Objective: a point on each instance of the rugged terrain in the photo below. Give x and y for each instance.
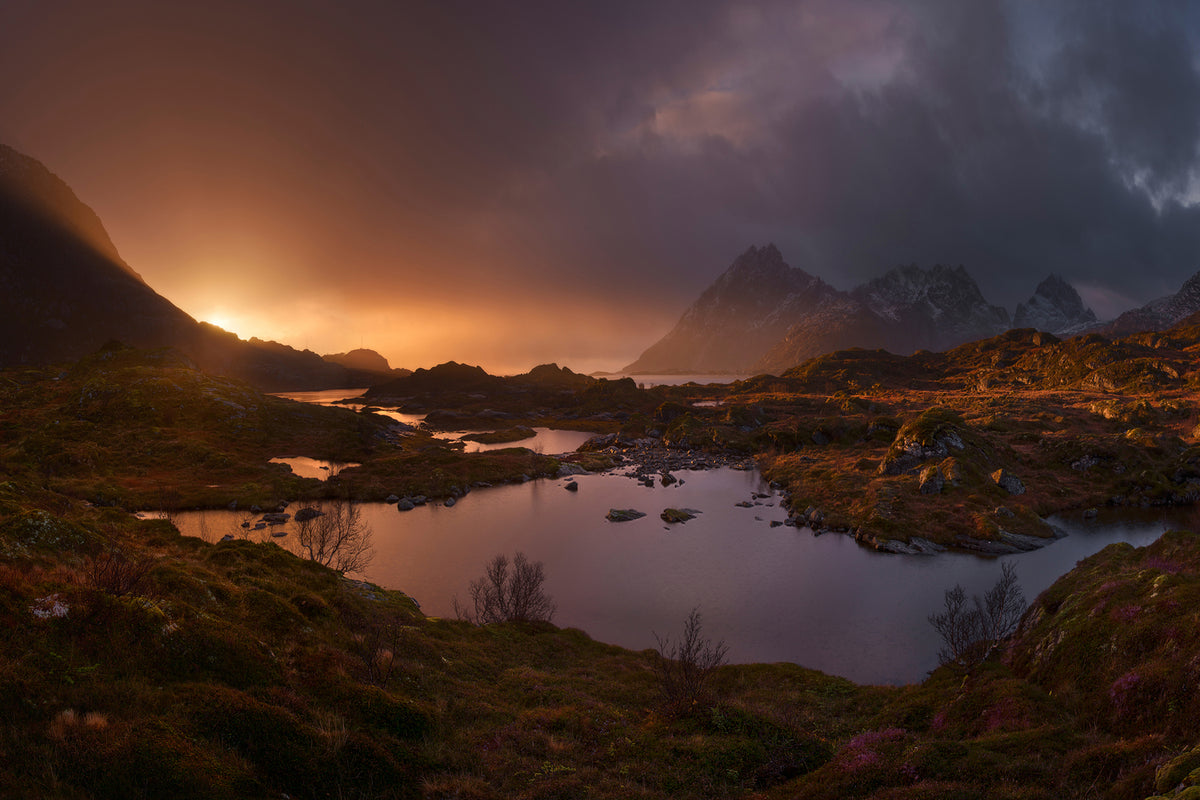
(142, 664)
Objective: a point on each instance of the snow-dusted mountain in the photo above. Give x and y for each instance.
(907, 309)
(1054, 308)
(745, 311)
(1159, 314)
(762, 315)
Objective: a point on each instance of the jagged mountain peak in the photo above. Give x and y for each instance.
(1055, 307)
(742, 313)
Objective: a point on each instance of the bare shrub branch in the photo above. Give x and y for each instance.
(686, 667)
(504, 595)
(114, 571)
(971, 633)
(339, 538)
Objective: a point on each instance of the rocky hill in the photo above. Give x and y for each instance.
(762, 315)
(65, 292)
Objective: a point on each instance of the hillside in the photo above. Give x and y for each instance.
(142, 664)
(65, 291)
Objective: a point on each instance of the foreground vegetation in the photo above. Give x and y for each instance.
(141, 664)
(240, 670)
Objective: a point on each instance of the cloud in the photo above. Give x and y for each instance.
(601, 163)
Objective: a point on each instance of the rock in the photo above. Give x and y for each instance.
(1091, 513)
(232, 505)
(450, 501)
(1008, 482)
(276, 518)
(567, 469)
(667, 479)
(391, 498)
(278, 534)
(258, 526)
(305, 514)
(776, 523)
(1004, 511)
(227, 537)
(419, 499)
(931, 480)
(571, 486)
(405, 504)
(623, 514)
(255, 510)
(744, 504)
(678, 514)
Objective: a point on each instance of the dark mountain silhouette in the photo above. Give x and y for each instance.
(367, 360)
(65, 292)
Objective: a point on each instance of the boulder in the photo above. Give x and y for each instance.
(623, 514)
(450, 501)
(571, 486)
(673, 515)
(931, 480)
(276, 518)
(405, 504)
(391, 498)
(1008, 482)
(305, 514)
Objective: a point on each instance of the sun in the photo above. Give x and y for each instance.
(223, 319)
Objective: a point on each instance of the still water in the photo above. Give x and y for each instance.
(771, 593)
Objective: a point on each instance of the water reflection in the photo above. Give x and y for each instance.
(772, 593)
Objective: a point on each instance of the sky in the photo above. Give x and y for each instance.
(513, 183)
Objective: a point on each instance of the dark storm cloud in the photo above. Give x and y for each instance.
(602, 162)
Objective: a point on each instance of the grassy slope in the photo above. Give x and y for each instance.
(238, 670)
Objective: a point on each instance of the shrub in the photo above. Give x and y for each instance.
(337, 538)
(502, 595)
(971, 632)
(685, 668)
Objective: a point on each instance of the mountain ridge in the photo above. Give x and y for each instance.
(907, 309)
(65, 291)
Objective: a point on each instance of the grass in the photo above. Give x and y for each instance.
(237, 670)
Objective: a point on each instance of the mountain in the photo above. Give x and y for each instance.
(1054, 308)
(65, 292)
(745, 311)
(905, 310)
(1159, 314)
(367, 360)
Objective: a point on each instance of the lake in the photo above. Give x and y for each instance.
(771, 593)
